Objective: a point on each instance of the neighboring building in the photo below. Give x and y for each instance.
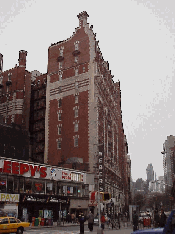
(150, 172)
(169, 162)
(14, 141)
(73, 112)
(15, 88)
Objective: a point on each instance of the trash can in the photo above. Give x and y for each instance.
(42, 222)
(50, 222)
(36, 223)
(46, 222)
(33, 221)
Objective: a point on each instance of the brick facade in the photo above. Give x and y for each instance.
(74, 111)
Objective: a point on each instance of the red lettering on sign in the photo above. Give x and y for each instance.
(33, 170)
(43, 172)
(7, 166)
(15, 168)
(23, 168)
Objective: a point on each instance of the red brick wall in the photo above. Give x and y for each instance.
(68, 102)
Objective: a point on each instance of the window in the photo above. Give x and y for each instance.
(1, 78)
(60, 75)
(84, 69)
(60, 102)
(76, 85)
(76, 98)
(59, 116)
(39, 186)
(76, 127)
(59, 144)
(59, 130)
(3, 184)
(60, 65)
(76, 71)
(76, 142)
(76, 113)
(76, 45)
(61, 51)
(76, 59)
(12, 220)
(4, 221)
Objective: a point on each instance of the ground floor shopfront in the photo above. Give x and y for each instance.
(41, 191)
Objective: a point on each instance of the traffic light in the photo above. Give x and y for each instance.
(105, 196)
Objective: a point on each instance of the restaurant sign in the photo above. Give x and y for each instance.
(6, 197)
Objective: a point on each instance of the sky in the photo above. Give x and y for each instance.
(136, 37)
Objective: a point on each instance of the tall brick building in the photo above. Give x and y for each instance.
(73, 112)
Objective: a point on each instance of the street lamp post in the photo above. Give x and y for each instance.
(99, 210)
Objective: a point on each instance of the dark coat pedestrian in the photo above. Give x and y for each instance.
(162, 220)
(82, 219)
(90, 221)
(135, 221)
(156, 219)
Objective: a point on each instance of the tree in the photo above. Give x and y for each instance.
(139, 200)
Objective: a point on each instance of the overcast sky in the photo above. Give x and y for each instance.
(136, 37)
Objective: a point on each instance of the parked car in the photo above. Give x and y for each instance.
(12, 225)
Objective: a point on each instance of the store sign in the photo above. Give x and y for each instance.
(9, 197)
(19, 168)
(100, 170)
(39, 171)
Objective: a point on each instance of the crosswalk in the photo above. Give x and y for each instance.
(53, 232)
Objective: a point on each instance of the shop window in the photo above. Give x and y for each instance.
(15, 185)
(28, 185)
(50, 188)
(39, 186)
(21, 185)
(59, 189)
(3, 184)
(10, 184)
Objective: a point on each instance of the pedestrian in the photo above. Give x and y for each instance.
(90, 221)
(162, 220)
(72, 217)
(102, 221)
(118, 218)
(156, 219)
(82, 219)
(135, 221)
(128, 216)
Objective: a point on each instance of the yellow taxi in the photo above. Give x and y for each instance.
(11, 224)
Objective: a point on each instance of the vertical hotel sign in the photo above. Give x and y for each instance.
(100, 170)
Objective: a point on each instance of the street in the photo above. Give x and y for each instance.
(74, 230)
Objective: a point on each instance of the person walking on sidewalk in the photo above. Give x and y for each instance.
(162, 218)
(90, 221)
(156, 219)
(82, 219)
(103, 220)
(135, 221)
